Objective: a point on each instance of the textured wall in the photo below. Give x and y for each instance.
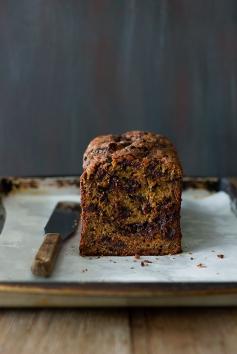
(70, 70)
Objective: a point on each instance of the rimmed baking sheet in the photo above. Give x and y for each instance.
(209, 228)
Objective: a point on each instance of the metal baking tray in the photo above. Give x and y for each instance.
(204, 274)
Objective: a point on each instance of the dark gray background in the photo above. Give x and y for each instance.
(70, 70)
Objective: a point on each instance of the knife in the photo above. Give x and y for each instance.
(2, 216)
(62, 224)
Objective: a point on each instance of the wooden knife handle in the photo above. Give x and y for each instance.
(46, 256)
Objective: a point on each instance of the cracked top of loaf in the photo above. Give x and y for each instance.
(131, 149)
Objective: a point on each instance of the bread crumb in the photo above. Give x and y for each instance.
(147, 261)
(132, 268)
(143, 264)
(189, 252)
(137, 256)
(201, 265)
(191, 258)
(220, 256)
(84, 270)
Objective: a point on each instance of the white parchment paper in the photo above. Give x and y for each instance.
(208, 225)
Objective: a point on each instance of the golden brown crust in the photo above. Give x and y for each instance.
(131, 193)
(132, 145)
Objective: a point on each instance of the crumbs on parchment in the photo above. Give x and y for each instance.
(147, 261)
(220, 256)
(137, 256)
(201, 265)
(191, 258)
(84, 270)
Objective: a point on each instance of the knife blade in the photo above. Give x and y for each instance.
(62, 224)
(2, 215)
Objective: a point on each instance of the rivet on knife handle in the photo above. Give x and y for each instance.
(46, 256)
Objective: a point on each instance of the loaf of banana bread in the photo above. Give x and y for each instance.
(130, 196)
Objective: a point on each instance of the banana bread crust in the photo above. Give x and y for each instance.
(130, 196)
